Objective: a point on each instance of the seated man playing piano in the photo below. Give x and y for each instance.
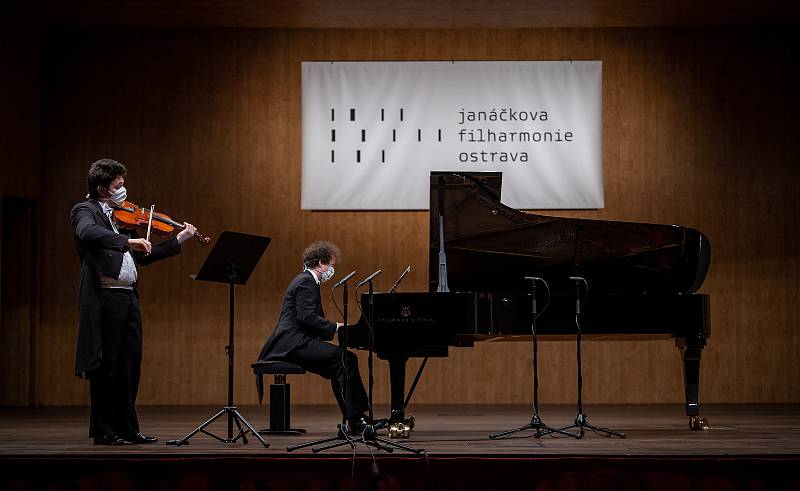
(302, 331)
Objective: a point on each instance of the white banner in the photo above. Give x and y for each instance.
(373, 131)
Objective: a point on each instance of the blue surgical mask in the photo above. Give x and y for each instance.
(325, 276)
(119, 195)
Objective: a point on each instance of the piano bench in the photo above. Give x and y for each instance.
(279, 395)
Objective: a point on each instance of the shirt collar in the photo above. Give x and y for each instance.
(314, 274)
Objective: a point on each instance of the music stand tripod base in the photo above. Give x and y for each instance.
(234, 414)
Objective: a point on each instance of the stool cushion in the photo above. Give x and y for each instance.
(276, 367)
(272, 368)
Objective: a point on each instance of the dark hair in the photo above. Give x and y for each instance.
(320, 251)
(101, 173)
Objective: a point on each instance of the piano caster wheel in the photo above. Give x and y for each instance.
(696, 423)
(399, 430)
(410, 422)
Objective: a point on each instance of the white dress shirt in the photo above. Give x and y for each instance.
(314, 274)
(128, 273)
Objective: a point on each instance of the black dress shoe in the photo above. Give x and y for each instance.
(109, 439)
(139, 438)
(357, 425)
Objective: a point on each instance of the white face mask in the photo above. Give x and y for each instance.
(119, 195)
(325, 276)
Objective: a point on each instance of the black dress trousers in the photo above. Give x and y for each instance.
(340, 367)
(114, 385)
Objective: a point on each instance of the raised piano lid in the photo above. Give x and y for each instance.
(491, 247)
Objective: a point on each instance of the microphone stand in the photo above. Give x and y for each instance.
(536, 422)
(370, 434)
(343, 432)
(581, 421)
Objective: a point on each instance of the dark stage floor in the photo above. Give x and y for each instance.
(747, 447)
(662, 430)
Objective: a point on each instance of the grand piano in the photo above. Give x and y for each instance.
(642, 282)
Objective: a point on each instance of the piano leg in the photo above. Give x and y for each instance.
(397, 381)
(691, 379)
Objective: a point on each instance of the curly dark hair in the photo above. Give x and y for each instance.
(101, 173)
(320, 252)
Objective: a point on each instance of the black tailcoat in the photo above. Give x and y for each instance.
(301, 319)
(101, 250)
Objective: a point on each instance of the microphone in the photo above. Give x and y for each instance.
(342, 281)
(394, 287)
(369, 278)
(576, 279)
(534, 279)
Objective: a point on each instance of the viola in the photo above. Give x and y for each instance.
(131, 216)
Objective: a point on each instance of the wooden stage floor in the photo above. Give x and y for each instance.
(660, 430)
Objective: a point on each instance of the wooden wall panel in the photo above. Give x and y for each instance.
(20, 112)
(698, 131)
(20, 188)
(18, 300)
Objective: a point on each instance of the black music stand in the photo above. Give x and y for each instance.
(581, 421)
(231, 261)
(536, 422)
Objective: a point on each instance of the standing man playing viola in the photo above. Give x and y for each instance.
(109, 351)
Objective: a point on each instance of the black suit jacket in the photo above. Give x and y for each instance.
(100, 251)
(301, 319)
